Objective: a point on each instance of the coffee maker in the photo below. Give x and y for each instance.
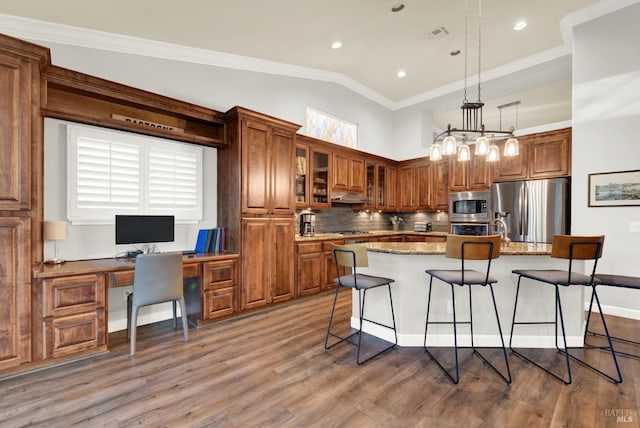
(307, 224)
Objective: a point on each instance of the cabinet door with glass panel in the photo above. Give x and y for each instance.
(302, 176)
(320, 193)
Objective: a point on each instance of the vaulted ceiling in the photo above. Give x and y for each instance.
(376, 42)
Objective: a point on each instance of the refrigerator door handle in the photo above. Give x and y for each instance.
(524, 210)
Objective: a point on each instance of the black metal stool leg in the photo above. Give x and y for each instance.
(504, 350)
(453, 379)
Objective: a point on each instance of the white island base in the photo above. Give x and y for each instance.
(407, 262)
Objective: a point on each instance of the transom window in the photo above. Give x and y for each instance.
(330, 128)
(114, 172)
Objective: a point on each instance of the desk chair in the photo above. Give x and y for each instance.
(467, 248)
(157, 279)
(629, 282)
(354, 257)
(570, 248)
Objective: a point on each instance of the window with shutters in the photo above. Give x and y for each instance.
(113, 172)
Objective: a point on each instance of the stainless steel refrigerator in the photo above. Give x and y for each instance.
(533, 210)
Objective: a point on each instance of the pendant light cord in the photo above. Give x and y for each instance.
(479, 45)
(466, 32)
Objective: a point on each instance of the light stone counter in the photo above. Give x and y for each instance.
(407, 262)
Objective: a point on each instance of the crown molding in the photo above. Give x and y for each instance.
(48, 32)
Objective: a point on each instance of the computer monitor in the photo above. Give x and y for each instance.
(144, 229)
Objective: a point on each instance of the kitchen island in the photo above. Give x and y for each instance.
(406, 263)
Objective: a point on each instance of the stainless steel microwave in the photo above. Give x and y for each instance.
(469, 207)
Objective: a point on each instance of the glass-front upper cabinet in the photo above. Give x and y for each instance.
(382, 201)
(320, 194)
(371, 185)
(302, 180)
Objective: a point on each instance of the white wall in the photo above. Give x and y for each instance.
(222, 88)
(606, 116)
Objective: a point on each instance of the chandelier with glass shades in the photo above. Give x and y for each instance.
(457, 140)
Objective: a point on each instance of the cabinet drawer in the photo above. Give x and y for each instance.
(328, 245)
(219, 273)
(120, 279)
(191, 270)
(309, 247)
(125, 278)
(218, 303)
(73, 295)
(73, 333)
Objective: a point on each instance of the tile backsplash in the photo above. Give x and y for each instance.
(343, 217)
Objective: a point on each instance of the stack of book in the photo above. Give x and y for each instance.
(210, 240)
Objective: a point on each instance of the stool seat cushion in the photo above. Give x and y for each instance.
(619, 280)
(471, 277)
(361, 281)
(553, 276)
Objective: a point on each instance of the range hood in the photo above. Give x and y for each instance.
(348, 198)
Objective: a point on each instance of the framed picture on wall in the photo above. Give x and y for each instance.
(614, 189)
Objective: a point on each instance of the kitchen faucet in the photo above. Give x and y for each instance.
(504, 234)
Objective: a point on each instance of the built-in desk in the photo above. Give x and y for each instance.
(74, 308)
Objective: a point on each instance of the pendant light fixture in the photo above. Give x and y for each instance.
(472, 129)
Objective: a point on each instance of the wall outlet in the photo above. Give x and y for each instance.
(634, 226)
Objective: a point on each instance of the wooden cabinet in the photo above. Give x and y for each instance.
(348, 172)
(423, 185)
(267, 181)
(267, 258)
(20, 194)
(330, 271)
(550, 154)
(15, 289)
(219, 296)
(256, 203)
(312, 174)
(406, 186)
(371, 185)
(440, 185)
(542, 155)
(310, 275)
(74, 314)
(475, 174)
(387, 191)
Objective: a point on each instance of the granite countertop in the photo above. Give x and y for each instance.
(426, 248)
(372, 234)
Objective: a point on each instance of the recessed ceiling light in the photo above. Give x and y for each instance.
(397, 7)
(520, 25)
(336, 45)
(401, 73)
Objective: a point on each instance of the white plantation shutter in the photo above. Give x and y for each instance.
(174, 175)
(108, 174)
(112, 172)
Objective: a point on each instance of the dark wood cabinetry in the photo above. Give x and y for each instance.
(219, 289)
(312, 174)
(542, 155)
(423, 185)
(21, 152)
(74, 314)
(256, 202)
(348, 172)
(476, 174)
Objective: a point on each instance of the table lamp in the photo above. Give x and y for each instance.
(54, 231)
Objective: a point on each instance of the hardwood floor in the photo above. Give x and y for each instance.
(271, 369)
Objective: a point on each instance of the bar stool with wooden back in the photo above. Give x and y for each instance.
(617, 281)
(571, 248)
(467, 248)
(354, 257)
